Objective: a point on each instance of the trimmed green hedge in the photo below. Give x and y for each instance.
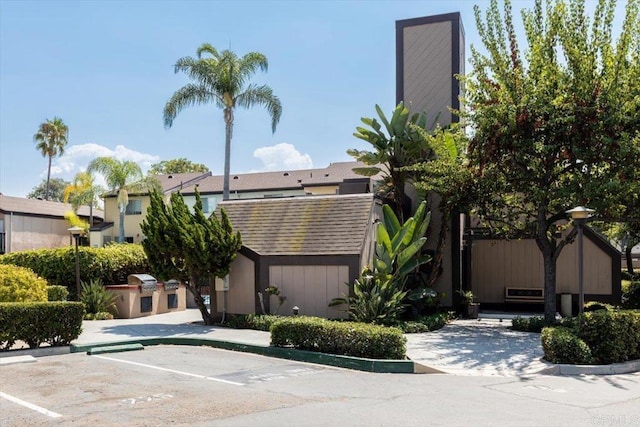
(528, 324)
(561, 345)
(57, 293)
(54, 323)
(340, 338)
(20, 284)
(112, 264)
(259, 322)
(611, 336)
(425, 323)
(631, 295)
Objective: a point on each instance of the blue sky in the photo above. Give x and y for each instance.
(106, 68)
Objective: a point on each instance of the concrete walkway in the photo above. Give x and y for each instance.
(483, 348)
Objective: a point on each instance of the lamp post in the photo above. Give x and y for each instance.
(76, 232)
(580, 215)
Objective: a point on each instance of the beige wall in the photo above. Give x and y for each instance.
(322, 190)
(497, 264)
(427, 69)
(241, 297)
(28, 232)
(129, 297)
(131, 222)
(311, 288)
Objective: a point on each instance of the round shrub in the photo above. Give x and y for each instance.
(19, 284)
(560, 345)
(57, 293)
(631, 295)
(528, 324)
(612, 336)
(595, 306)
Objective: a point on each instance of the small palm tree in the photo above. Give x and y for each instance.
(51, 139)
(83, 192)
(122, 177)
(221, 78)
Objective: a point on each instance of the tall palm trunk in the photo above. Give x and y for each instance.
(46, 194)
(121, 230)
(228, 120)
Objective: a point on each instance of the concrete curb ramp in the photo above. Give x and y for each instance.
(349, 362)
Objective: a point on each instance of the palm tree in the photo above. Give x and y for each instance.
(83, 191)
(51, 139)
(122, 177)
(222, 79)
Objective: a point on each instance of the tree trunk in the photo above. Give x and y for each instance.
(121, 230)
(436, 262)
(228, 119)
(206, 316)
(549, 285)
(91, 215)
(627, 254)
(46, 194)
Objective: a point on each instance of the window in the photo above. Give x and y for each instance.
(209, 204)
(134, 207)
(146, 304)
(172, 300)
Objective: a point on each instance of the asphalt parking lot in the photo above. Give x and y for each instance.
(179, 385)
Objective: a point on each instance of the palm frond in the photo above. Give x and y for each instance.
(187, 96)
(262, 95)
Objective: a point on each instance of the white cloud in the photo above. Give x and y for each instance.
(76, 158)
(282, 156)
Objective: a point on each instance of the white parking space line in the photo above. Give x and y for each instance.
(188, 374)
(30, 405)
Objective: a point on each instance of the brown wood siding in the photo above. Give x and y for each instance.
(31, 232)
(241, 298)
(427, 69)
(310, 287)
(497, 264)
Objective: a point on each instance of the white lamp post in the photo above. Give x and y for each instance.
(580, 215)
(76, 232)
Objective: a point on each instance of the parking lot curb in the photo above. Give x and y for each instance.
(349, 362)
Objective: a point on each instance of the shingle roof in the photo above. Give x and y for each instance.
(334, 174)
(176, 181)
(41, 207)
(171, 182)
(315, 225)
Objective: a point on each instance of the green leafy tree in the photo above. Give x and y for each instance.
(83, 192)
(402, 145)
(55, 191)
(446, 183)
(556, 127)
(189, 246)
(222, 78)
(181, 165)
(51, 140)
(123, 177)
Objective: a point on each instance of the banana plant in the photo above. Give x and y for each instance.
(398, 246)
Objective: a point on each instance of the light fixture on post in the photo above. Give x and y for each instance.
(580, 215)
(76, 232)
